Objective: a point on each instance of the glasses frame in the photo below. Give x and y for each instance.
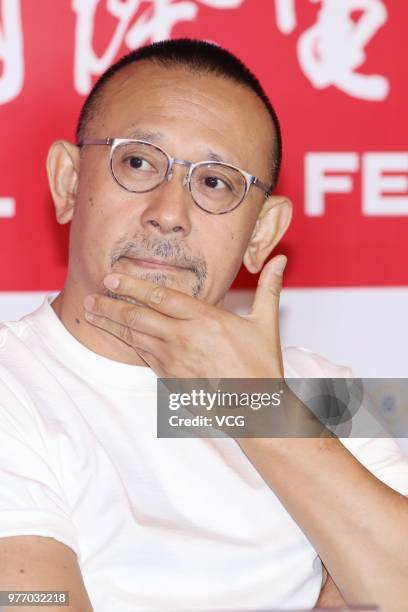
(114, 143)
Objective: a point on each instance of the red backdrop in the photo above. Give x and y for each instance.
(334, 69)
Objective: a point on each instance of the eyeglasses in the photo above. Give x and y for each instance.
(140, 166)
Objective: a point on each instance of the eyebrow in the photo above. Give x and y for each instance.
(156, 137)
(140, 134)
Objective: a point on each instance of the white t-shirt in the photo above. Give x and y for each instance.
(157, 524)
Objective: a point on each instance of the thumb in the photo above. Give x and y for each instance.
(266, 301)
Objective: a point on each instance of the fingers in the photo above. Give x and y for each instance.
(150, 349)
(132, 337)
(170, 302)
(137, 318)
(266, 301)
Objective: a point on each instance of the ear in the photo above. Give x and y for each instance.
(62, 170)
(272, 223)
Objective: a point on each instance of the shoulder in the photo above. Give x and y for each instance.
(16, 354)
(25, 374)
(381, 454)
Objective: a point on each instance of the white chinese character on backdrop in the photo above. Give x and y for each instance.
(285, 15)
(11, 50)
(154, 23)
(331, 50)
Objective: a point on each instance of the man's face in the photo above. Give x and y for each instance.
(191, 117)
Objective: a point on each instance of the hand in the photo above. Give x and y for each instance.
(179, 336)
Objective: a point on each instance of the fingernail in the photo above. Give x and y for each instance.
(280, 265)
(89, 302)
(111, 281)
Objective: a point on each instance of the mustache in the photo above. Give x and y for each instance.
(171, 251)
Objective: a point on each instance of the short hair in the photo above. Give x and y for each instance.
(197, 55)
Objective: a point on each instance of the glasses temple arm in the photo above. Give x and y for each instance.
(266, 188)
(95, 141)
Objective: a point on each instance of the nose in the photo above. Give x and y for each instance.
(169, 206)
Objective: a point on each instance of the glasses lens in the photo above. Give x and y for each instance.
(139, 167)
(217, 188)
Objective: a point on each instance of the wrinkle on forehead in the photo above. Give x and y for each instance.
(218, 109)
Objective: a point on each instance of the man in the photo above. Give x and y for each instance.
(92, 501)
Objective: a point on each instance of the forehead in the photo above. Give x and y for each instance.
(192, 113)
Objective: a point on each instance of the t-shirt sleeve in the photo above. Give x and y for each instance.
(384, 458)
(32, 500)
(368, 440)
(380, 454)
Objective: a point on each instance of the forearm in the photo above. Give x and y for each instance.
(358, 525)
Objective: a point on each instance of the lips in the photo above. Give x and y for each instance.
(160, 264)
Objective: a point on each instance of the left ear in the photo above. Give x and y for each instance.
(272, 223)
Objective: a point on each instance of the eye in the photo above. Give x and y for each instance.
(214, 182)
(137, 163)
